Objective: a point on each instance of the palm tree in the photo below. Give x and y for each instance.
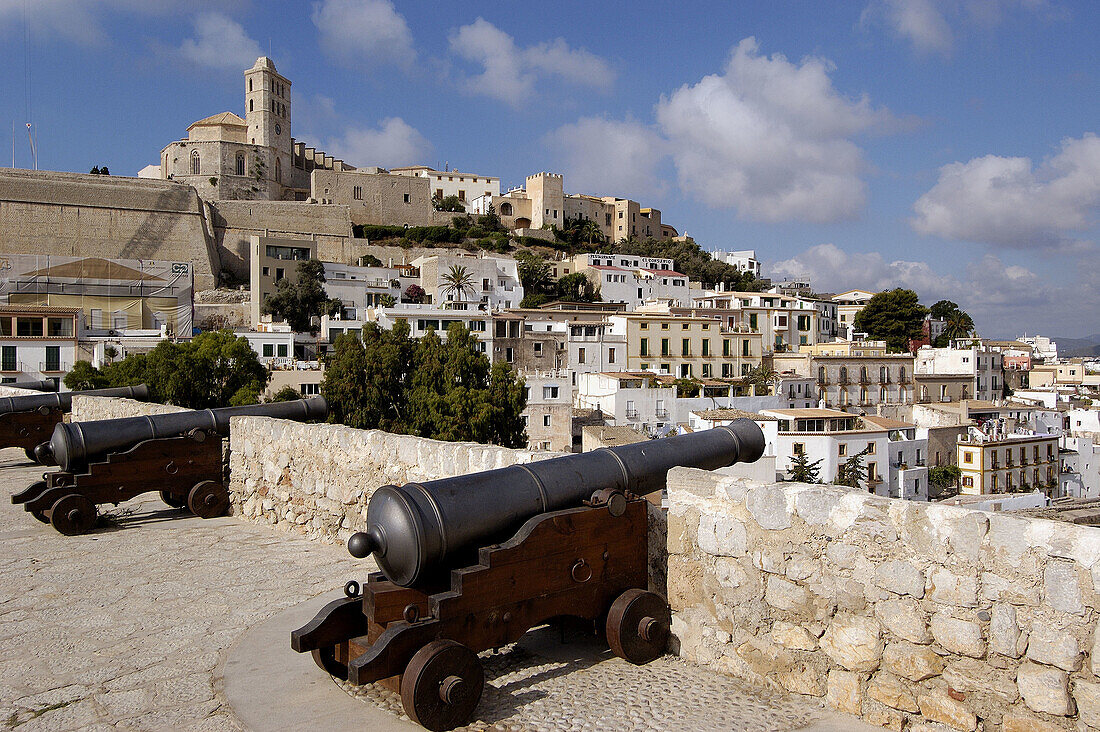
(761, 379)
(457, 280)
(958, 325)
(590, 230)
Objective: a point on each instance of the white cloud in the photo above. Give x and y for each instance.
(394, 142)
(927, 24)
(364, 31)
(1004, 299)
(1010, 202)
(79, 21)
(221, 43)
(509, 73)
(610, 157)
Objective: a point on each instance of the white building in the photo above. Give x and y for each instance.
(274, 346)
(785, 322)
(744, 260)
(420, 318)
(980, 362)
(633, 280)
(1042, 347)
(37, 342)
(443, 183)
(359, 288)
(848, 305)
(894, 457)
(1084, 422)
(488, 282)
(1080, 467)
(595, 347)
(549, 411)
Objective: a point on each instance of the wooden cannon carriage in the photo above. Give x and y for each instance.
(110, 461)
(417, 627)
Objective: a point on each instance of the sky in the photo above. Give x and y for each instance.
(947, 146)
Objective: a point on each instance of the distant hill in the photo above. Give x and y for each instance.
(1086, 347)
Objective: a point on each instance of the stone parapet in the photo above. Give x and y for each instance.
(316, 479)
(91, 408)
(901, 612)
(10, 391)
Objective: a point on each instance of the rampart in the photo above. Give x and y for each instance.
(45, 212)
(91, 408)
(898, 611)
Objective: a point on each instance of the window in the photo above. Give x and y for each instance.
(53, 358)
(7, 358)
(968, 482)
(280, 273)
(665, 347)
(685, 347)
(726, 352)
(240, 163)
(269, 350)
(282, 350)
(28, 327)
(194, 162)
(357, 193)
(752, 321)
(872, 471)
(538, 349)
(870, 448)
(611, 355)
(59, 327)
(706, 347)
(645, 347)
(841, 449)
(968, 457)
(267, 271)
(799, 448)
(549, 392)
(745, 348)
(706, 371)
(509, 355)
(580, 355)
(664, 326)
(407, 198)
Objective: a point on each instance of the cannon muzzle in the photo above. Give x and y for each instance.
(63, 400)
(72, 445)
(43, 385)
(413, 529)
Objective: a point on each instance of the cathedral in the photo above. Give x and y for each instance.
(254, 158)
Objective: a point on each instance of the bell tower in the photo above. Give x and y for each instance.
(267, 106)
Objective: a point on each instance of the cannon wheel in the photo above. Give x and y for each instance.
(442, 685)
(325, 658)
(638, 626)
(73, 514)
(173, 500)
(208, 499)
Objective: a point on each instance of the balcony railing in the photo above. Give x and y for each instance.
(632, 414)
(662, 414)
(47, 367)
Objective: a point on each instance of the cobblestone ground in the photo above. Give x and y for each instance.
(124, 629)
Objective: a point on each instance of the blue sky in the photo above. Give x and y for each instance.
(949, 146)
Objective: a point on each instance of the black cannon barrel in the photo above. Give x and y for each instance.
(414, 528)
(43, 385)
(73, 445)
(64, 399)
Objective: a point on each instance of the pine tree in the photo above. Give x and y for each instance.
(851, 471)
(803, 471)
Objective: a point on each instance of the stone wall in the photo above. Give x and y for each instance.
(91, 408)
(8, 391)
(317, 478)
(901, 612)
(46, 212)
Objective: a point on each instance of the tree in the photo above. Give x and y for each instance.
(457, 280)
(386, 301)
(803, 471)
(894, 316)
(687, 388)
(215, 369)
(450, 203)
(577, 287)
(852, 471)
(414, 293)
(945, 479)
(534, 273)
(369, 260)
(287, 394)
(761, 379)
(957, 323)
(299, 301)
(691, 260)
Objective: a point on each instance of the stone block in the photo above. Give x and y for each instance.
(939, 707)
(768, 506)
(1018, 591)
(780, 593)
(814, 504)
(904, 618)
(722, 536)
(729, 573)
(803, 677)
(1004, 633)
(882, 716)
(958, 636)
(1044, 689)
(843, 691)
(949, 588)
(1087, 696)
(901, 578)
(1019, 720)
(1062, 587)
(1054, 647)
(794, 637)
(911, 661)
(854, 642)
(685, 582)
(965, 535)
(887, 688)
(973, 676)
(1094, 651)
(842, 556)
(801, 568)
(768, 559)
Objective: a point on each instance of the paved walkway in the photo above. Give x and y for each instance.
(161, 620)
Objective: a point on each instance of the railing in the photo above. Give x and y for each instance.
(661, 414)
(53, 368)
(632, 414)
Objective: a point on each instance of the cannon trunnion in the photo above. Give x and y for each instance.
(573, 541)
(26, 421)
(109, 461)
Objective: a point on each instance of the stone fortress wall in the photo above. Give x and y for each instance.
(903, 613)
(898, 611)
(92, 408)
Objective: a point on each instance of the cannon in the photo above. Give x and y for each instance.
(40, 385)
(25, 421)
(113, 460)
(473, 562)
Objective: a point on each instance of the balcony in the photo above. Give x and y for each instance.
(632, 414)
(47, 367)
(662, 414)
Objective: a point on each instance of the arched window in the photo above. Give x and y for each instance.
(505, 209)
(251, 104)
(863, 374)
(883, 374)
(821, 374)
(278, 170)
(901, 374)
(240, 163)
(843, 374)
(194, 162)
(250, 85)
